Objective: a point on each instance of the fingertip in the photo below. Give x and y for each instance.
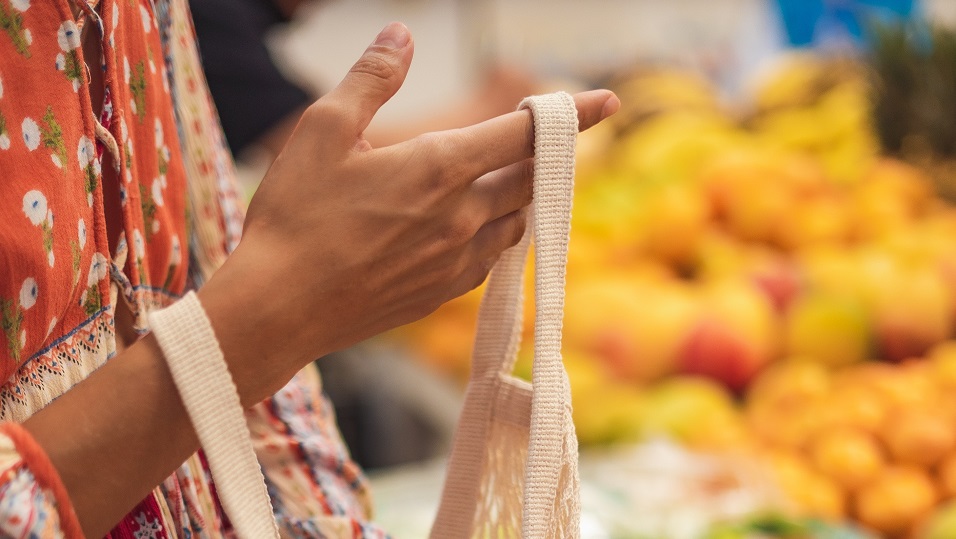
(611, 106)
(394, 36)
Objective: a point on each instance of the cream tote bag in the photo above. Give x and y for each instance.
(513, 467)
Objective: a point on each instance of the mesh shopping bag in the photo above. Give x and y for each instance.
(513, 465)
(513, 468)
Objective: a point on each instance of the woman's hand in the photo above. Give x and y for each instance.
(343, 241)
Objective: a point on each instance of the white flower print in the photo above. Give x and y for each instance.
(165, 79)
(4, 142)
(31, 133)
(49, 218)
(1, 87)
(52, 325)
(23, 339)
(175, 251)
(115, 16)
(28, 37)
(132, 106)
(126, 71)
(68, 36)
(97, 269)
(139, 248)
(123, 194)
(81, 232)
(157, 189)
(28, 293)
(155, 227)
(35, 207)
(20, 5)
(85, 151)
(50, 259)
(60, 62)
(148, 528)
(158, 132)
(147, 20)
(56, 160)
(124, 132)
(152, 67)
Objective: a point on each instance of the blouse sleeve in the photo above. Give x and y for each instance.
(33, 500)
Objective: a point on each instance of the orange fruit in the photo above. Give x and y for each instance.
(942, 358)
(918, 435)
(812, 493)
(822, 498)
(946, 475)
(896, 500)
(860, 408)
(848, 456)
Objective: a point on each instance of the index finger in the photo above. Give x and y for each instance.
(509, 138)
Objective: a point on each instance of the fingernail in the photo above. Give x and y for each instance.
(612, 105)
(394, 36)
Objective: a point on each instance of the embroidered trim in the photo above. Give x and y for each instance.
(52, 372)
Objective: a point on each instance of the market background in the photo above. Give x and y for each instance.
(761, 305)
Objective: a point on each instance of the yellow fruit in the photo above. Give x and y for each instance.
(609, 317)
(942, 525)
(896, 500)
(789, 382)
(677, 216)
(756, 212)
(827, 328)
(849, 457)
(690, 410)
(918, 436)
(823, 220)
(610, 413)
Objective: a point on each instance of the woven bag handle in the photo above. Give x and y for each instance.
(498, 338)
(555, 131)
(209, 395)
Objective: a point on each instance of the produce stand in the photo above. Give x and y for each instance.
(761, 315)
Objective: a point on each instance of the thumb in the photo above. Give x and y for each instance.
(374, 78)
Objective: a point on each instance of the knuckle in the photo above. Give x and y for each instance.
(446, 162)
(481, 274)
(325, 114)
(376, 66)
(461, 230)
(517, 228)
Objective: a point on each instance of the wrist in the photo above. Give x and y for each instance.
(251, 327)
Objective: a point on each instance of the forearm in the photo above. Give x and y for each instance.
(116, 435)
(122, 431)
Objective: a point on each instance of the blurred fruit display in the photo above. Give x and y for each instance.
(766, 281)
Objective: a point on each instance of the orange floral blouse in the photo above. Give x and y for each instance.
(181, 216)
